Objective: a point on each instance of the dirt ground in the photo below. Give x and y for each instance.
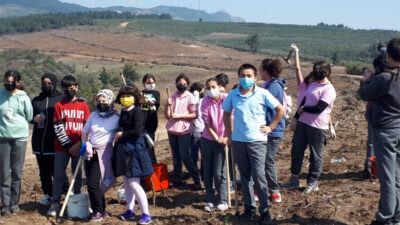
(345, 196)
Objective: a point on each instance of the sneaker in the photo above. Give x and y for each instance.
(310, 188)
(265, 219)
(222, 207)
(46, 200)
(145, 219)
(53, 209)
(128, 216)
(293, 183)
(248, 216)
(209, 207)
(5, 211)
(15, 209)
(106, 214)
(276, 197)
(96, 217)
(256, 196)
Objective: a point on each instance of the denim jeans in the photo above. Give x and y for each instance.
(270, 165)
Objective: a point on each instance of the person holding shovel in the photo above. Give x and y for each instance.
(181, 110)
(100, 129)
(213, 142)
(70, 115)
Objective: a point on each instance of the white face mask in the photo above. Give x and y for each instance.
(150, 87)
(213, 92)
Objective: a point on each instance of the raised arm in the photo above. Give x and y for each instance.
(299, 74)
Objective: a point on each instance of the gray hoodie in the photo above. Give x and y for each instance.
(383, 93)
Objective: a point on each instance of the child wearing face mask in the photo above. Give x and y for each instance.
(213, 142)
(70, 115)
(131, 157)
(15, 114)
(98, 134)
(150, 108)
(313, 117)
(43, 133)
(181, 110)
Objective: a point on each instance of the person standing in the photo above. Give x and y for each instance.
(98, 134)
(70, 115)
(43, 133)
(181, 110)
(249, 138)
(382, 91)
(15, 114)
(312, 125)
(270, 71)
(150, 108)
(213, 142)
(131, 158)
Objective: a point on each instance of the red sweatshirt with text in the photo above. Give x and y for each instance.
(69, 119)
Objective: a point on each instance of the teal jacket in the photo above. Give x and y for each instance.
(15, 114)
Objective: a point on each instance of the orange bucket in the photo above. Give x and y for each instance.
(374, 172)
(160, 178)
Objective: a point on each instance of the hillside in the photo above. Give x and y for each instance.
(11, 8)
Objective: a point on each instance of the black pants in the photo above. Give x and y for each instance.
(93, 176)
(46, 173)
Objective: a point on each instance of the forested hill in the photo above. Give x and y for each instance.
(12, 8)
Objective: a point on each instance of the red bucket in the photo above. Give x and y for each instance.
(160, 178)
(374, 172)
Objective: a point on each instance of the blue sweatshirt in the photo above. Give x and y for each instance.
(276, 88)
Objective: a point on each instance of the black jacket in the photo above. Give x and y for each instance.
(150, 108)
(383, 93)
(43, 139)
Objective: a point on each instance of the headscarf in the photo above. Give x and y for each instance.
(110, 97)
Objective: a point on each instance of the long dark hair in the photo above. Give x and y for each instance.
(16, 76)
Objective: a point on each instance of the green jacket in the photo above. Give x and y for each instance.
(15, 114)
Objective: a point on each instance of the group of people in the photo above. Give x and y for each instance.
(249, 120)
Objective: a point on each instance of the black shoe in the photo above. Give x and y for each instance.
(5, 211)
(196, 187)
(265, 219)
(396, 221)
(248, 216)
(177, 184)
(366, 173)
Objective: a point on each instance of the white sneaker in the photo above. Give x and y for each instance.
(209, 207)
(222, 207)
(53, 209)
(46, 200)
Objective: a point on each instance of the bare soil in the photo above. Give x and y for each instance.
(345, 196)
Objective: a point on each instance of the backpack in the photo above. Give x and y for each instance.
(287, 99)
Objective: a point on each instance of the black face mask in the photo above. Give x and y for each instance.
(318, 76)
(47, 88)
(181, 87)
(103, 107)
(70, 94)
(10, 87)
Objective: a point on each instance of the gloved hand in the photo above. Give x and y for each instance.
(89, 151)
(83, 149)
(333, 133)
(293, 47)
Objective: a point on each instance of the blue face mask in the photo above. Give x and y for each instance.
(246, 83)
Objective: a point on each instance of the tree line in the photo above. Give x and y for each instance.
(40, 22)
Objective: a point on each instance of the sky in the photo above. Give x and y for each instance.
(358, 14)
